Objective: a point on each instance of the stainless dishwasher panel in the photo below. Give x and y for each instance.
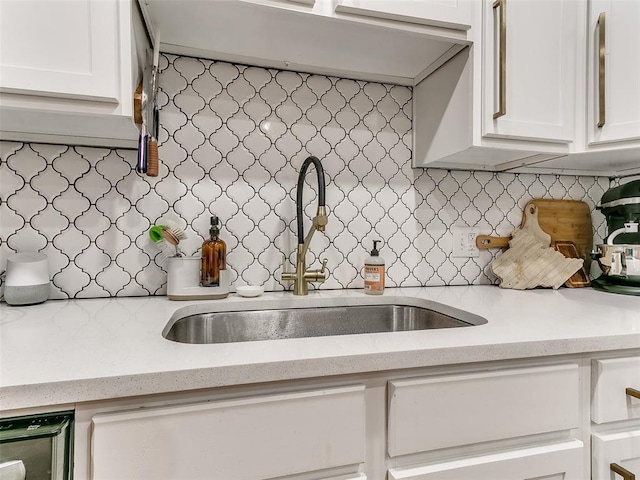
(42, 442)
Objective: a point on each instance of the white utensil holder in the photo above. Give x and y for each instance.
(183, 281)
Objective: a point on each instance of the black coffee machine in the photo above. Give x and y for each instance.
(619, 256)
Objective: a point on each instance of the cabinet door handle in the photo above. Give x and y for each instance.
(601, 68)
(632, 392)
(623, 472)
(502, 48)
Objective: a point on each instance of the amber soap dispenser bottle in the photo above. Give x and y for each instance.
(214, 253)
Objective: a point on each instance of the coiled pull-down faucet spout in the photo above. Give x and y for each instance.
(302, 276)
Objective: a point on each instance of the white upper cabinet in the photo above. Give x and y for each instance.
(321, 36)
(68, 71)
(548, 87)
(72, 57)
(512, 101)
(444, 13)
(529, 70)
(613, 91)
(608, 93)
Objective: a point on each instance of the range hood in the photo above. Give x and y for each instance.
(306, 36)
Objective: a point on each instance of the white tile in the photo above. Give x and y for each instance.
(232, 140)
(26, 201)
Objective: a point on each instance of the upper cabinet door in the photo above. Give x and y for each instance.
(613, 83)
(60, 49)
(454, 14)
(68, 71)
(529, 69)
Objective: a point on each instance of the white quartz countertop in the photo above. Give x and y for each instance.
(63, 352)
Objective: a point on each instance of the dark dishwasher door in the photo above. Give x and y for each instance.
(42, 442)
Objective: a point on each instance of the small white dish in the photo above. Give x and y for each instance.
(250, 290)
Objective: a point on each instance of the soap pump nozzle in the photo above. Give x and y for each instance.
(375, 252)
(214, 229)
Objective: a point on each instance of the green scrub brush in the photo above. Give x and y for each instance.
(155, 233)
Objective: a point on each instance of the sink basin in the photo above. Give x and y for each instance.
(253, 325)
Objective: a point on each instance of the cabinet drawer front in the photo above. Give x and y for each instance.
(610, 380)
(621, 448)
(244, 439)
(551, 462)
(446, 411)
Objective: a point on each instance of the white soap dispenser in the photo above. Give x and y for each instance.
(374, 272)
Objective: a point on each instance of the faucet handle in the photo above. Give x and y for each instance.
(317, 275)
(324, 265)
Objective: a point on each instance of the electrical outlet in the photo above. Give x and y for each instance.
(464, 241)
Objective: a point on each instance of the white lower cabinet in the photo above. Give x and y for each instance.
(504, 420)
(550, 462)
(246, 438)
(616, 452)
(459, 411)
(615, 410)
(612, 379)
(429, 413)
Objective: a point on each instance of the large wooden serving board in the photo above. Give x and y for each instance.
(529, 263)
(563, 220)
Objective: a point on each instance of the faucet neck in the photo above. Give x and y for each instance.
(321, 191)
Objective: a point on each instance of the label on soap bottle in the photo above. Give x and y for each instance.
(374, 278)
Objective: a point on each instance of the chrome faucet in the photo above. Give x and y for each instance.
(302, 276)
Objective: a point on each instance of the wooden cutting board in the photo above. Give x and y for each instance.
(581, 277)
(529, 263)
(563, 220)
(531, 224)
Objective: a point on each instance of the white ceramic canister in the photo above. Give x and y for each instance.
(27, 281)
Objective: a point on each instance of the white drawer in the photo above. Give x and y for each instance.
(445, 411)
(621, 448)
(611, 378)
(242, 439)
(562, 461)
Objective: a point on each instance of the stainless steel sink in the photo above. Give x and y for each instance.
(252, 325)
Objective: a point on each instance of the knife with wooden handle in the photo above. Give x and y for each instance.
(153, 166)
(143, 140)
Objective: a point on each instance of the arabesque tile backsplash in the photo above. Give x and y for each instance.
(231, 142)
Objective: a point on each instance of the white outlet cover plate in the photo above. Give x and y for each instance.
(464, 241)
